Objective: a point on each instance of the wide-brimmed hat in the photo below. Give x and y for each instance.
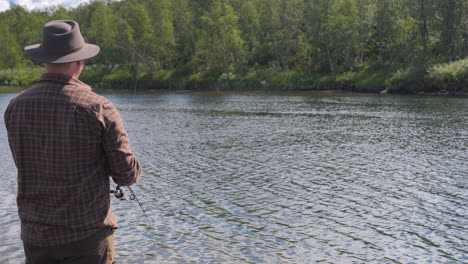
(61, 43)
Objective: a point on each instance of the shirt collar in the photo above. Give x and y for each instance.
(65, 79)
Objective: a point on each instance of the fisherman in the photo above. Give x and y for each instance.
(67, 142)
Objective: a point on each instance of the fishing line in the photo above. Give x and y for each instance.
(119, 194)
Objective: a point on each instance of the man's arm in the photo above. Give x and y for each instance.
(123, 166)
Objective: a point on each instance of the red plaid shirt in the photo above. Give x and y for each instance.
(66, 141)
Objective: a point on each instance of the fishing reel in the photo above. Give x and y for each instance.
(119, 193)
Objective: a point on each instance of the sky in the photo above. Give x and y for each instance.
(33, 4)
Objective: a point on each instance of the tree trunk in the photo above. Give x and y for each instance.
(330, 60)
(423, 28)
(465, 33)
(448, 32)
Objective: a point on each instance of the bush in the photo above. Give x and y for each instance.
(326, 82)
(346, 81)
(118, 80)
(22, 76)
(160, 80)
(93, 78)
(451, 77)
(410, 80)
(202, 81)
(373, 78)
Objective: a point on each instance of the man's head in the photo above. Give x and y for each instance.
(62, 44)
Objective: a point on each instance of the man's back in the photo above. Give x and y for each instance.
(66, 142)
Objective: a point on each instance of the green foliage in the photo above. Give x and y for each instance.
(409, 80)
(220, 48)
(358, 45)
(163, 41)
(373, 79)
(103, 32)
(10, 53)
(342, 27)
(160, 80)
(93, 75)
(449, 76)
(117, 80)
(21, 76)
(346, 81)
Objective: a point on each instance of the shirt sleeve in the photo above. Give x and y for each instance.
(123, 166)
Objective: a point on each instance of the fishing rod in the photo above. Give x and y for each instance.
(119, 194)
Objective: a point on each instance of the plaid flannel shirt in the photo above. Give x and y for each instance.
(66, 141)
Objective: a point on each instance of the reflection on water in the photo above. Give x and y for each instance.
(299, 178)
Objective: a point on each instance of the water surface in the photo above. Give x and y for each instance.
(288, 178)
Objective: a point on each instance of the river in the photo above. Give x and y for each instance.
(284, 178)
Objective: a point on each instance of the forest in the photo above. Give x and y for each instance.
(404, 46)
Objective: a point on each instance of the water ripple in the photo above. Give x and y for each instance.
(288, 179)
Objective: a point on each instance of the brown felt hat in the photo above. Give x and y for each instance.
(61, 43)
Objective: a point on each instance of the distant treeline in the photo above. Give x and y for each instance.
(365, 45)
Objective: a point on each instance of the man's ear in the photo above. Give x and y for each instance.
(78, 67)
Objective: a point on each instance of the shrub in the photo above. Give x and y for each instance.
(373, 79)
(346, 81)
(449, 76)
(93, 78)
(409, 80)
(118, 80)
(161, 79)
(22, 76)
(327, 82)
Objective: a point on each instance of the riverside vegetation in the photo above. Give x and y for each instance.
(403, 46)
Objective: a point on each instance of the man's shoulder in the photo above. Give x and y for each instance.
(91, 100)
(23, 95)
(74, 93)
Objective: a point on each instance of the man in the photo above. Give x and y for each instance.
(66, 141)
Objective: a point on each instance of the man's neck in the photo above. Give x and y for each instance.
(72, 69)
(61, 73)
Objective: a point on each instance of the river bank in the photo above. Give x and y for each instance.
(439, 79)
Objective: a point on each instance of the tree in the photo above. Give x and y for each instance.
(386, 30)
(11, 53)
(291, 45)
(464, 31)
(60, 13)
(102, 31)
(240, 35)
(184, 33)
(342, 25)
(423, 17)
(281, 35)
(162, 44)
(220, 47)
(316, 28)
(452, 27)
(138, 23)
(249, 25)
(26, 26)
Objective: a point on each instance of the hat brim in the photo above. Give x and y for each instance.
(35, 53)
